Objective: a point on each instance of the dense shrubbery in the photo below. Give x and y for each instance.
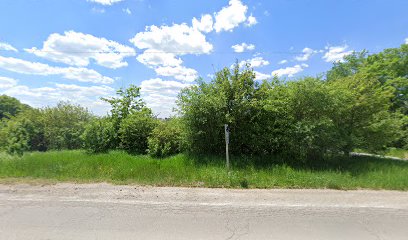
(362, 103)
(167, 138)
(134, 131)
(64, 124)
(99, 135)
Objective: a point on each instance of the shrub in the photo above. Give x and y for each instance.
(64, 125)
(166, 139)
(134, 131)
(99, 135)
(25, 132)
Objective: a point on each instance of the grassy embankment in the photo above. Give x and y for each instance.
(183, 170)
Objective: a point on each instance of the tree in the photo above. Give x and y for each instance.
(24, 132)
(64, 124)
(135, 129)
(98, 136)
(362, 113)
(10, 107)
(167, 138)
(127, 102)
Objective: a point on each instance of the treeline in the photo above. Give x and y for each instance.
(360, 103)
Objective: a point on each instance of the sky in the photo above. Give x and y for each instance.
(82, 50)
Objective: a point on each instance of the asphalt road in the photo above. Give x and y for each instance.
(102, 211)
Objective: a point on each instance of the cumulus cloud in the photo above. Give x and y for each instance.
(6, 82)
(158, 58)
(406, 40)
(231, 16)
(78, 49)
(7, 47)
(35, 68)
(205, 24)
(163, 44)
(307, 53)
(87, 96)
(251, 21)
(336, 53)
(283, 61)
(255, 62)
(290, 71)
(178, 38)
(161, 95)
(239, 48)
(178, 72)
(105, 2)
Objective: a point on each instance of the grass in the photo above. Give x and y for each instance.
(184, 170)
(399, 153)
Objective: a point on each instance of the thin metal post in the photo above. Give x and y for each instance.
(226, 145)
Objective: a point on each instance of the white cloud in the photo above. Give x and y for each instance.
(406, 40)
(78, 49)
(127, 11)
(307, 53)
(158, 58)
(105, 2)
(283, 61)
(6, 82)
(7, 47)
(178, 72)
(290, 71)
(35, 68)
(179, 39)
(255, 62)
(231, 16)
(251, 21)
(205, 24)
(336, 53)
(261, 76)
(161, 95)
(85, 96)
(239, 48)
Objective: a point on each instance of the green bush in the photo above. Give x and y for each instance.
(99, 136)
(24, 132)
(134, 131)
(166, 139)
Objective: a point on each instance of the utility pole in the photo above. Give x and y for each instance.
(227, 132)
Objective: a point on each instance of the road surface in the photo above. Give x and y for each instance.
(103, 211)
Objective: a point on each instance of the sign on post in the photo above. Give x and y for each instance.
(227, 133)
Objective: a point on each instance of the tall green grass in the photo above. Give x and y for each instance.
(184, 170)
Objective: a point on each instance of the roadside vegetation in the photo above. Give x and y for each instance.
(119, 167)
(284, 133)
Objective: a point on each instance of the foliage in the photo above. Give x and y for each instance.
(10, 107)
(230, 98)
(99, 135)
(24, 132)
(135, 129)
(167, 138)
(183, 170)
(64, 124)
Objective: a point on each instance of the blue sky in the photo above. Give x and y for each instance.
(81, 50)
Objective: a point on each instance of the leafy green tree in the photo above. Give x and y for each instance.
(135, 129)
(389, 67)
(98, 136)
(64, 124)
(228, 99)
(24, 132)
(167, 138)
(362, 112)
(10, 107)
(127, 102)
